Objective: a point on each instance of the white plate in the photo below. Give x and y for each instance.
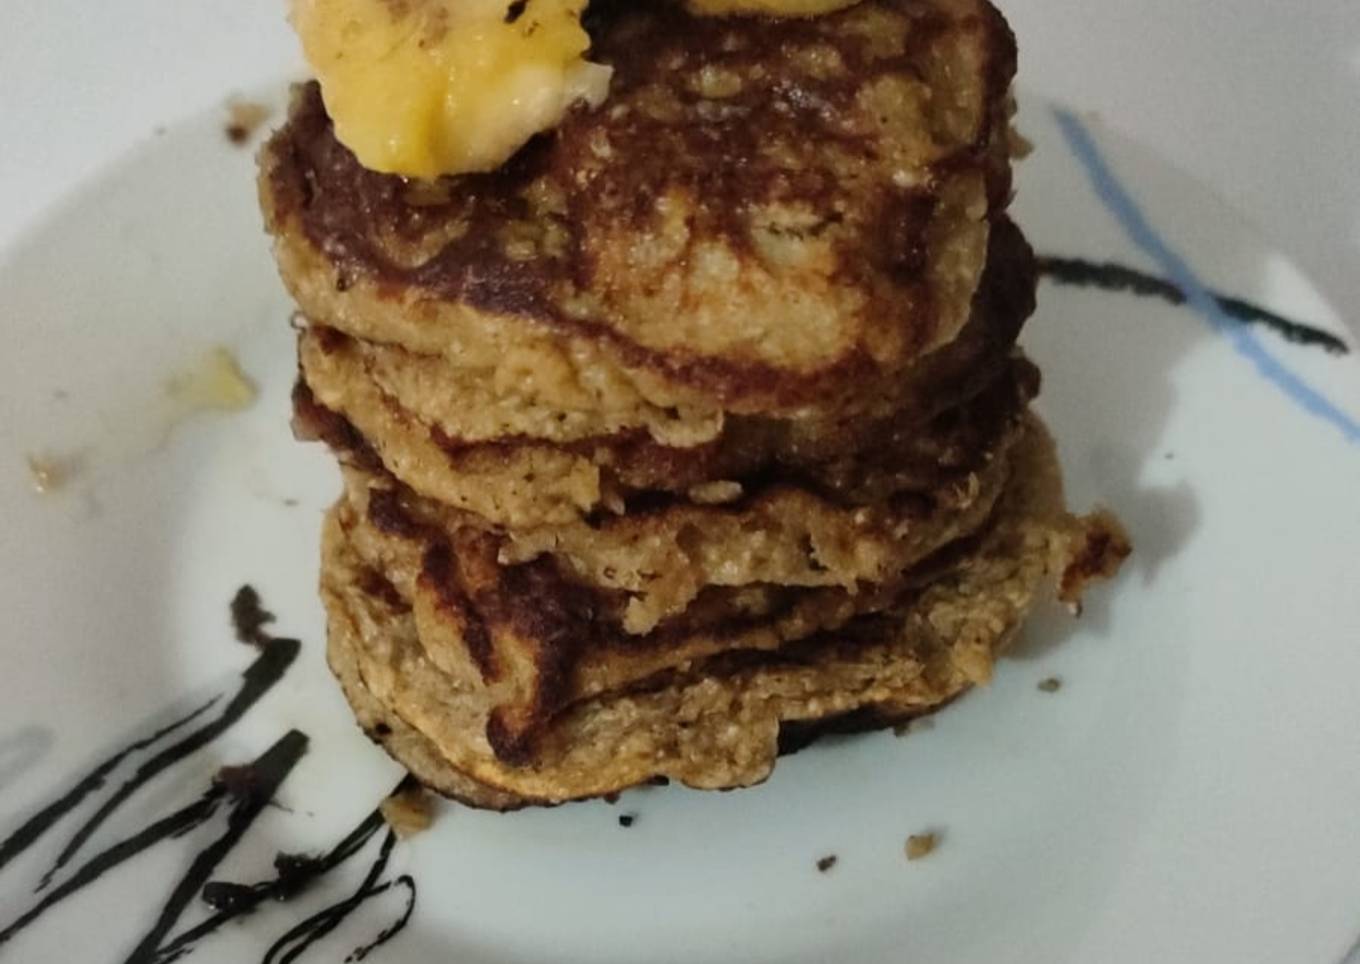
(1189, 795)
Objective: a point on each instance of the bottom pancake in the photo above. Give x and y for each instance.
(719, 728)
(409, 747)
(534, 636)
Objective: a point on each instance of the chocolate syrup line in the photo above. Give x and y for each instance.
(314, 928)
(176, 824)
(250, 788)
(296, 873)
(1108, 276)
(234, 901)
(268, 772)
(19, 841)
(396, 927)
(273, 661)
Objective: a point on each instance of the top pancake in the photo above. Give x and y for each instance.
(763, 215)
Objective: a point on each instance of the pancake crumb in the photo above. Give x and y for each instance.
(1051, 685)
(626, 820)
(825, 864)
(51, 473)
(244, 118)
(1099, 551)
(409, 811)
(921, 845)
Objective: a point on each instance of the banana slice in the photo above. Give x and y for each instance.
(423, 88)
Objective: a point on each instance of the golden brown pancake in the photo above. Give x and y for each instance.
(765, 215)
(662, 556)
(535, 621)
(719, 727)
(530, 483)
(527, 643)
(421, 757)
(409, 747)
(474, 405)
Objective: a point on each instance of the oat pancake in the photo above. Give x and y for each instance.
(527, 483)
(532, 636)
(766, 215)
(720, 727)
(474, 405)
(663, 555)
(526, 644)
(409, 747)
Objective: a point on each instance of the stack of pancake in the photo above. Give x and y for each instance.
(697, 428)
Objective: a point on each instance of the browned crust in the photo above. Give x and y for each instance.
(405, 744)
(439, 573)
(532, 610)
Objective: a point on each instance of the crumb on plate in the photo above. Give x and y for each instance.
(921, 845)
(244, 118)
(409, 811)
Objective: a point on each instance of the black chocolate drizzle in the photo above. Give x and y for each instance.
(19, 841)
(293, 873)
(297, 940)
(1108, 276)
(274, 659)
(242, 792)
(270, 771)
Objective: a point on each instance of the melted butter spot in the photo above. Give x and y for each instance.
(215, 383)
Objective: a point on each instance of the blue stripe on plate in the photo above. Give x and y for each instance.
(1125, 209)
